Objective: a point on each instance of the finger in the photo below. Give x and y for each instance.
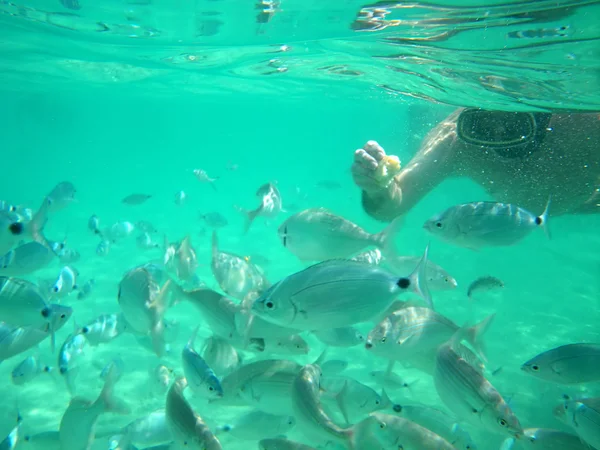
(375, 150)
(364, 160)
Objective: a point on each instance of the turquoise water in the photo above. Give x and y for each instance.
(131, 97)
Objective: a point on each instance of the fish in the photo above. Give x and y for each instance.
(201, 379)
(66, 282)
(256, 425)
(311, 419)
(236, 275)
(103, 247)
(71, 352)
(439, 423)
(86, 289)
(583, 416)
(567, 364)
(22, 304)
(77, 428)
(214, 219)
(485, 283)
(16, 228)
(60, 197)
(270, 204)
(389, 431)
(373, 257)
(147, 431)
(187, 427)
(546, 439)
(145, 227)
(181, 260)
(28, 369)
(483, 224)
(68, 255)
(415, 330)
(438, 279)
(336, 293)
(317, 234)
(282, 444)
(10, 442)
(220, 355)
(103, 329)
(340, 337)
(15, 340)
(145, 242)
(118, 231)
(94, 224)
(26, 259)
(203, 177)
(136, 199)
(144, 305)
(467, 393)
(180, 198)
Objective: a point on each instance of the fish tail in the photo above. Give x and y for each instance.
(542, 220)
(190, 343)
(250, 216)
(339, 399)
(107, 397)
(474, 334)
(159, 306)
(386, 240)
(37, 224)
(508, 444)
(417, 280)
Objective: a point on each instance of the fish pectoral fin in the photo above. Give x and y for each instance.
(404, 340)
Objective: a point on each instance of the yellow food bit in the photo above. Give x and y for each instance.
(388, 167)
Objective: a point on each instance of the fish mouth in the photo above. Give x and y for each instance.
(368, 345)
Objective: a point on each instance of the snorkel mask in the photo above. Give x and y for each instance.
(509, 134)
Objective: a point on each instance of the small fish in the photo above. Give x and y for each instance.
(336, 293)
(147, 431)
(482, 224)
(15, 340)
(220, 355)
(145, 227)
(311, 419)
(467, 393)
(187, 427)
(438, 279)
(333, 366)
(103, 247)
(203, 177)
(546, 439)
(389, 380)
(26, 259)
(183, 262)
(373, 257)
(180, 198)
(567, 364)
(214, 219)
(118, 231)
(69, 356)
(317, 234)
(160, 379)
(136, 199)
(10, 441)
(340, 337)
(94, 224)
(66, 282)
(27, 370)
(103, 329)
(68, 255)
(583, 416)
(200, 377)
(258, 424)
(270, 204)
(145, 242)
(77, 428)
(86, 289)
(61, 196)
(290, 345)
(482, 284)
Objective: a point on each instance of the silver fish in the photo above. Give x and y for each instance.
(203, 177)
(221, 355)
(10, 441)
(270, 391)
(567, 364)
(15, 340)
(416, 330)
(136, 199)
(86, 289)
(439, 423)
(317, 235)
(118, 231)
(546, 439)
(214, 219)
(469, 395)
(103, 247)
(293, 344)
(236, 275)
(187, 427)
(69, 356)
(94, 224)
(28, 369)
(25, 259)
(482, 224)
(66, 282)
(373, 257)
(308, 411)
(103, 329)
(584, 417)
(282, 444)
(270, 204)
(438, 279)
(68, 255)
(335, 294)
(145, 242)
(143, 305)
(61, 196)
(486, 283)
(217, 311)
(183, 262)
(201, 379)
(180, 198)
(340, 337)
(255, 425)
(147, 431)
(22, 304)
(77, 428)
(396, 432)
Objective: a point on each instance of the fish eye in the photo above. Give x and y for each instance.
(535, 367)
(210, 388)
(85, 330)
(270, 305)
(56, 289)
(502, 422)
(63, 315)
(438, 224)
(382, 425)
(397, 408)
(383, 339)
